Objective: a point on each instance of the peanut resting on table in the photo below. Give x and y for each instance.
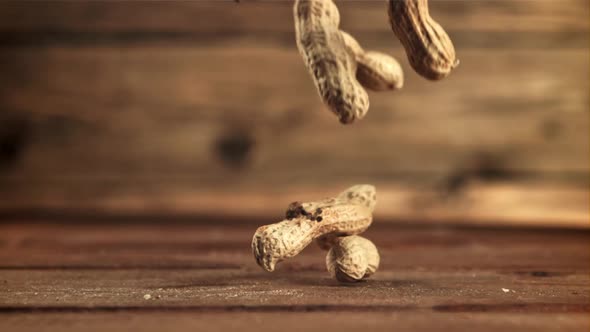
(352, 258)
(333, 222)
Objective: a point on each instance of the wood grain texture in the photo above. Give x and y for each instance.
(485, 15)
(474, 203)
(138, 107)
(160, 106)
(225, 245)
(310, 321)
(69, 276)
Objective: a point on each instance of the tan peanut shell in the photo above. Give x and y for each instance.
(347, 214)
(352, 44)
(379, 72)
(375, 70)
(429, 49)
(352, 258)
(332, 67)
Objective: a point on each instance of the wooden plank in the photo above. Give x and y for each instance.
(473, 203)
(223, 16)
(179, 123)
(515, 148)
(173, 110)
(483, 24)
(207, 290)
(430, 277)
(309, 321)
(215, 245)
(448, 278)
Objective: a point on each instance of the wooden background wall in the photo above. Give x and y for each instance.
(205, 108)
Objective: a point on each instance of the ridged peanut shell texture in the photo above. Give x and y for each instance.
(352, 258)
(375, 70)
(349, 213)
(429, 49)
(332, 67)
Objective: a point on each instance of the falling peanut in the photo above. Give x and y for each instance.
(429, 49)
(342, 70)
(347, 214)
(332, 67)
(375, 70)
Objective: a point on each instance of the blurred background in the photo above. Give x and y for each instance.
(181, 110)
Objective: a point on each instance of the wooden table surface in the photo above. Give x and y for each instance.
(179, 276)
